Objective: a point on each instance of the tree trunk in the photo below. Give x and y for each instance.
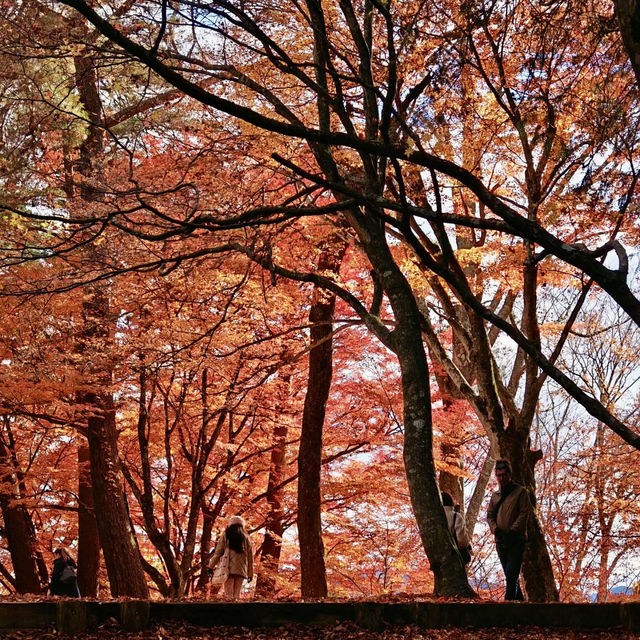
(603, 571)
(205, 549)
(450, 578)
(274, 525)
(537, 570)
(88, 538)
(18, 528)
(628, 13)
(119, 545)
(477, 497)
(449, 482)
(312, 565)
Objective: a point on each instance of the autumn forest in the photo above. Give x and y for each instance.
(311, 262)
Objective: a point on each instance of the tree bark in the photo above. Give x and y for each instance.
(312, 564)
(475, 503)
(450, 578)
(205, 549)
(628, 14)
(18, 528)
(537, 570)
(88, 537)
(119, 545)
(274, 524)
(89, 166)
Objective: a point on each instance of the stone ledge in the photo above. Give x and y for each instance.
(137, 615)
(27, 615)
(252, 614)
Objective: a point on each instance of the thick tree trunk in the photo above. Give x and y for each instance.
(119, 545)
(450, 578)
(20, 542)
(18, 528)
(312, 565)
(628, 13)
(537, 570)
(274, 525)
(88, 538)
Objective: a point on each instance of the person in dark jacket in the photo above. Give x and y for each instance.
(63, 577)
(508, 513)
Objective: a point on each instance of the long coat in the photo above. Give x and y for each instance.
(240, 564)
(57, 588)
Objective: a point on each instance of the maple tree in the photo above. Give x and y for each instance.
(592, 499)
(439, 174)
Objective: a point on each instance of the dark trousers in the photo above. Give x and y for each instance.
(510, 553)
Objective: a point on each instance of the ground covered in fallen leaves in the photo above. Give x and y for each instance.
(344, 631)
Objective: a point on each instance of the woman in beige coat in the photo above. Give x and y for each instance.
(236, 543)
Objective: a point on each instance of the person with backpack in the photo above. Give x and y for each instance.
(507, 516)
(457, 527)
(232, 560)
(64, 581)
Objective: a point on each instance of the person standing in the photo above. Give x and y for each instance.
(64, 581)
(507, 516)
(232, 559)
(457, 527)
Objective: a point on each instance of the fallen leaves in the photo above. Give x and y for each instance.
(342, 631)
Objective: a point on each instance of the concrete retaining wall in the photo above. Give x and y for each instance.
(73, 616)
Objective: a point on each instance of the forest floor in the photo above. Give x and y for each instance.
(344, 631)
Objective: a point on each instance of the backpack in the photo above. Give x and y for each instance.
(465, 552)
(68, 575)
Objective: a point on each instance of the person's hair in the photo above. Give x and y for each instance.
(235, 537)
(503, 465)
(66, 556)
(447, 500)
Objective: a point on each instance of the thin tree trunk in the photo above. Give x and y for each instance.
(312, 564)
(603, 571)
(604, 522)
(160, 538)
(475, 503)
(449, 482)
(274, 525)
(205, 549)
